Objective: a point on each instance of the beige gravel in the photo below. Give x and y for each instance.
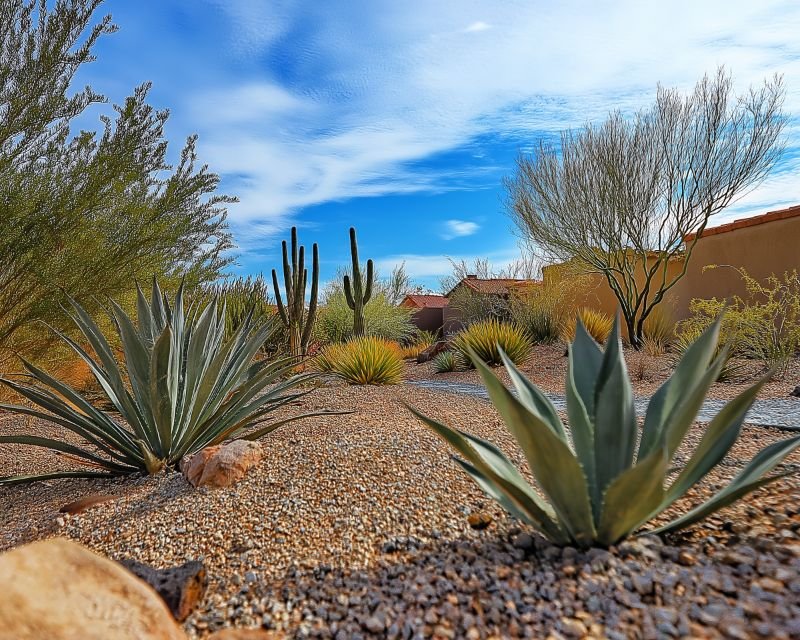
(330, 492)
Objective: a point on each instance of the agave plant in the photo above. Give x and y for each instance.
(598, 485)
(183, 385)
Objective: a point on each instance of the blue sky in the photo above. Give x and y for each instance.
(401, 118)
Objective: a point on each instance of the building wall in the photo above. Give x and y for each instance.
(428, 319)
(764, 249)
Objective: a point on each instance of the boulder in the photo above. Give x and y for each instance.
(431, 352)
(795, 392)
(223, 465)
(181, 588)
(59, 590)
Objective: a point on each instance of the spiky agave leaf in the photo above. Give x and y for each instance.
(597, 487)
(181, 386)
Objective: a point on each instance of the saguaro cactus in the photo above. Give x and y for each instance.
(360, 292)
(296, 318)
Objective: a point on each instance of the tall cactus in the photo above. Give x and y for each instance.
(359, 294)
(298, 321)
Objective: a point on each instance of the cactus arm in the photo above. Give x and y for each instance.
(287, 276)
(348, 293)
(278, 301)
(312, 304)
(370, 278)
(300, 287)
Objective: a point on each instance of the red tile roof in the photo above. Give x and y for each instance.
(497, 286)
(780, 214)
(424, 301)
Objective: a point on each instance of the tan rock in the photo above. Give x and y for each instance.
(222, 466)
(59, 590)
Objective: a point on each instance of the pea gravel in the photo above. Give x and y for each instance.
(357, 526)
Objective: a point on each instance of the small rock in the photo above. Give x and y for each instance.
(222, 465)
(479, 520)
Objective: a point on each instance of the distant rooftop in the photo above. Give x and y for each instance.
(496, 286)
(425, 301)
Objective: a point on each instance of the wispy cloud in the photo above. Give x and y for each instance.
(350, 99)
(459, 229)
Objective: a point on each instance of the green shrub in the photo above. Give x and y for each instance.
(181, 387)
(488, 337)
(540, 313)
(366, 360)
(593, 484)
(381, 319)
(446, 362)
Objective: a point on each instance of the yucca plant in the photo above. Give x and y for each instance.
(365, 360)
(598, 486)
(446, 362)
(596, 323)
(183, 386)
(488, 338)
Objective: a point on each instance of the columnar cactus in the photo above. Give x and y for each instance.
(295, 317)
(360, 292)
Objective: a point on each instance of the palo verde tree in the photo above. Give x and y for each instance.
(88, 213)
(620, 197)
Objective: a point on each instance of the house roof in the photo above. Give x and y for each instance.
(421, 301)
(495, 286)
(770, 216)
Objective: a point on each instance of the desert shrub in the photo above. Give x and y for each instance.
(763, 326)
(541, 312)
(597, 324)
(486, 338)
(473, 306)
(601, 478)
(446, 362)
(366, 360)
(420, 341)
(381, 319)
(179, 386)
(658, 331)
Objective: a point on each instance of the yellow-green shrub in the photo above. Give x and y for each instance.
(366, 360)
(659, 331)
(485, 337)
(598, 325)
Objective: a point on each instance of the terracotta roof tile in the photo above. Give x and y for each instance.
(497, 286)
(425, 301)
(780, 214)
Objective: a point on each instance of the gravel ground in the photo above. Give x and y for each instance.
(357, 526)
(547, 367)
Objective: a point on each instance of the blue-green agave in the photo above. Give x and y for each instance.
(184, 384)
(600, 479)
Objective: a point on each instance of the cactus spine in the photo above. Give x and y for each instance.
(298, 321)
(360, 292)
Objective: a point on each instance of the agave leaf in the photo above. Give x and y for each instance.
(161, 398)
(144, 317)
(585, 360)
(749, 479)
(519, 495)
(687, 375)
(64, 447)
(157, 309)
(632, 497)
(557, 471)
(615, 429)
(532, 398)
(7, 481)
(720, 435)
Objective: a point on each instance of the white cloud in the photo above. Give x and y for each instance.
(477, 26)
(376, 87)
(459, 229)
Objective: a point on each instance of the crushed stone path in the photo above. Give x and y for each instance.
(780, 413)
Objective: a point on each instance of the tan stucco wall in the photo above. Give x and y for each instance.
(761, 249)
